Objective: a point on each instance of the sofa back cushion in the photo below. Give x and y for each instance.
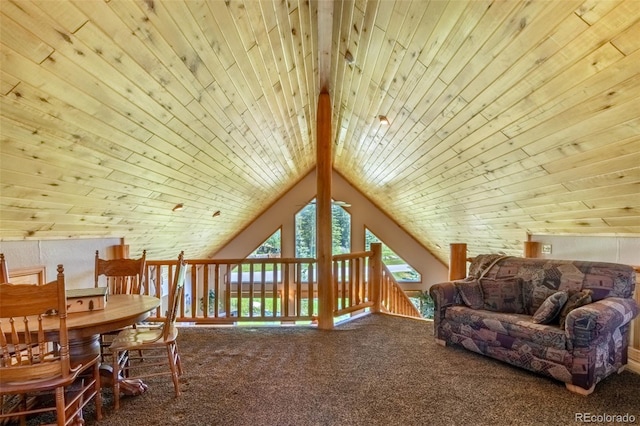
(502, 295)
(540, 278)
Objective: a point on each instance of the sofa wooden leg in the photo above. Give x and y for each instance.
(441, 342)
(579, 390)
(621, 369)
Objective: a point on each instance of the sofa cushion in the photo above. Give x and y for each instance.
(575, 300)
(471, 293)
(550, 308)
(534, 295)
(503, 295)
(495, 325)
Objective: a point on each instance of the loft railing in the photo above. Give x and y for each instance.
(352, 288)
(227, 291)
(394, 300)
(230, 291)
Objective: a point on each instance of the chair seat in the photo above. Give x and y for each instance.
(141, 338)
(50, 382)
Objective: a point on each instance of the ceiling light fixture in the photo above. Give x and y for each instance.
(178, 207)
(383, 120)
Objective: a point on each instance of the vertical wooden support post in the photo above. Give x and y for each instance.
(118, 252)
(531, 248)
(324, 166)
(376, 277)
(457, 261)
(122, 251)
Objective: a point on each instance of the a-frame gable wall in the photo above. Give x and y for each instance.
(363, 214)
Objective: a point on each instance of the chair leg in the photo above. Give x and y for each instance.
(116, 379)
(172, 353)
(60, 406)
(98, 387)
(178, 363)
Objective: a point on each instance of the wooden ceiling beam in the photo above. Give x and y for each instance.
(325, 34)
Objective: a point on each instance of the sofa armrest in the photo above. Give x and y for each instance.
(444, 295)
(588, 323)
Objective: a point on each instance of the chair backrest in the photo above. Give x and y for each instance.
(4, 270)
(175, 294)
(29, 357)
(123, 276)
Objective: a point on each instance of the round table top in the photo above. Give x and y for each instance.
(121, 310)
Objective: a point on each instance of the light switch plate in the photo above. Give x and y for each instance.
(546, 249)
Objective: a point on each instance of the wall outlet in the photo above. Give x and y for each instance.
(546, 249)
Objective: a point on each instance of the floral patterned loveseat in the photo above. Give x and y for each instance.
(565, 319)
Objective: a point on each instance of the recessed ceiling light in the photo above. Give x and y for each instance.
(178, 207)
(383, 120)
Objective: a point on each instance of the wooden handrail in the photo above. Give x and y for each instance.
(228, 291)
(394, 299)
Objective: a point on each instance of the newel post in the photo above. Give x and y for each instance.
(376, 277)
(531, 248)
(457, 261)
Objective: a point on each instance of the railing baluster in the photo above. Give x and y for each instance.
(205, 291)
(216, 291)
(263, 285)
(298, 283)
(239, 292)
(227, 295)
(285, 298)
(194, 293)
(251, 265)
(275, 289)
(311, 290)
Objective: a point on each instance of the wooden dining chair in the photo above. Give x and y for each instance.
(158, 344)
(121, 276)
(33, 362)
(4, 270)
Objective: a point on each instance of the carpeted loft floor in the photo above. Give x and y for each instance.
(375, 370)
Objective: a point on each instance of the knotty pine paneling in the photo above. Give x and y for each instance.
(506, 117)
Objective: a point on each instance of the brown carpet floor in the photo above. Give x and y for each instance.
(375, 370)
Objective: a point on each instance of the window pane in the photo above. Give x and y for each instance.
(400, 269)
(271, 247)
(305, 223)
(341, 227)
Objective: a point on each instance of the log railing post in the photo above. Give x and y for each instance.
(120, 251)
(376, 277)
(324, 169)
(531, 248)
(457, 261)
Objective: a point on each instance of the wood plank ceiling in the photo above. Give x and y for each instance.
(506, 117)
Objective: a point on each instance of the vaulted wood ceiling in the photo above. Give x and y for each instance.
(506, 117)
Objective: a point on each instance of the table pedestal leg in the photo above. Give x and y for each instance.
(80, 349)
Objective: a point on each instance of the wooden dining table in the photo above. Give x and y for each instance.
(84, 328)
(121, 310)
